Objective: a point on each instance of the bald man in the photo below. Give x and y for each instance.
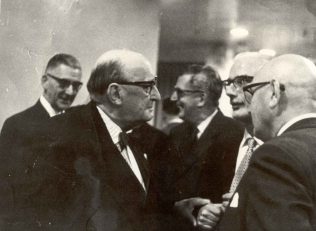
(278, 190)
(245, 66)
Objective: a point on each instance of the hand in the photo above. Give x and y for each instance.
(185, 207)
(226, 199)
(209, 215)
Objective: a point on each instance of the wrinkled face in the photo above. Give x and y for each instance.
(187, 98)
(233, 87)
(61, 85)
(139, 99)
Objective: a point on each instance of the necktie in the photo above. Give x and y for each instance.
(194, 137)
(243, 165)
(123, 140)
(123, 143)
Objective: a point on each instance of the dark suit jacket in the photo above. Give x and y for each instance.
(208, 170)
(278, 190)
(20, 129)
(81, 181)
(18, 132)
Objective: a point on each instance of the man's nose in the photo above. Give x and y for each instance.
(174, 96)
(71, 90)
(155, 94)
(230, 90)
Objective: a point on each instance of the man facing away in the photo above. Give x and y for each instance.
(278, 190)
(245, 66)
(207, 142)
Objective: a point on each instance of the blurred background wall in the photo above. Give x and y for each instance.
(171, 33)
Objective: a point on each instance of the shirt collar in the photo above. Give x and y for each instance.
(112, 127)
(294, 120)
(203, 125)
(50, 110)
(247, 136)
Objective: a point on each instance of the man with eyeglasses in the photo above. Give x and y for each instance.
(92, 176)
(278, 190)
(206, 141)
(245, 66)
(61, 83)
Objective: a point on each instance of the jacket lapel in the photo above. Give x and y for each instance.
(116, 172)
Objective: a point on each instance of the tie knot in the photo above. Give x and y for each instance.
(251, 143)
(123, 140)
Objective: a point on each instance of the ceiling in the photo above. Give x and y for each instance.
(190, 27)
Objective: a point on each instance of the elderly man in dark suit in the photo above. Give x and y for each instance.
(93, 177)
(207, 142)
(245, 66)
(278, 190)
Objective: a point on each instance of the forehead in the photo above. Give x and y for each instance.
(183, 82)
(247, 65)
(63, 71)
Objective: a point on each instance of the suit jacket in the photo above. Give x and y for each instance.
(278, 189)
(207, 171)
(20, 129)
(81, 181)
(18, 132)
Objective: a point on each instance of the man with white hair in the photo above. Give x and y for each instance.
(278, 190)
(92, 177)
(245, 66)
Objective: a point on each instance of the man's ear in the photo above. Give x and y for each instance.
(275, 94)
(114, 93)
(44, 80)
(202, 99)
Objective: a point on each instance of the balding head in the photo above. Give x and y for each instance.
(245, 66)
(124, 86)
(287, 90)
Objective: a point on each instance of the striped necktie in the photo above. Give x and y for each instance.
(251, 143)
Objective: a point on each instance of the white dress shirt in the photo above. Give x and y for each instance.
(243, 147)
(203, 125)
(50, 110)
(126, 153)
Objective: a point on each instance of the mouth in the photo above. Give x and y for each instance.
(66, 100)
(236, 105)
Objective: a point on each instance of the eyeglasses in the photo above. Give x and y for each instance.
(238, 82)
(181, 92)
(146, 85)
(249, 90)
(65, 83)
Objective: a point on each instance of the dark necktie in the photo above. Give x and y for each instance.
(194, 137)
(251, 143)
(123, 140)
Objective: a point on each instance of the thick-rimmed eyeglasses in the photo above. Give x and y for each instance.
(238, 82)
(182, 92)
(146, 85)
(250, 89)
(65, 83)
